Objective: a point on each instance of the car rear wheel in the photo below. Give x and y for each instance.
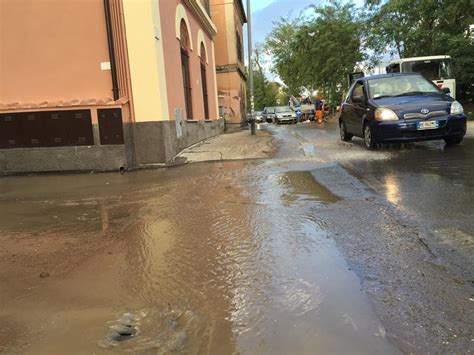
(369, 138)
(346, 137)
(453, 140)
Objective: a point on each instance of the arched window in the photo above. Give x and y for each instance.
(185, 45)
(239, 46)
(205, 95)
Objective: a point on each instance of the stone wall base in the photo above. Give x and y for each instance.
(146, 144)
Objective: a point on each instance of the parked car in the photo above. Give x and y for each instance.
(284, 114)
(258, 116)
(394, 108)
(268, 114)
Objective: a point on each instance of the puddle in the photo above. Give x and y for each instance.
(210, 258)
(303, 296)
(302, 185)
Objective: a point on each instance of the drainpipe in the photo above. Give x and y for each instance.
(250, 50)
(110, 41)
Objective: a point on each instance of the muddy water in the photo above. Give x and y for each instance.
(208, 258)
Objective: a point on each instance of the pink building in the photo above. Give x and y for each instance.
(104, 84)
(229, 17)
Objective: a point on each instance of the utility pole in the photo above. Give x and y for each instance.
(250, 66)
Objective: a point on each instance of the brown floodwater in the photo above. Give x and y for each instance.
(215, 258)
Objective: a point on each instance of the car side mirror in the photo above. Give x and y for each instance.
(446, 90)
(358, 99)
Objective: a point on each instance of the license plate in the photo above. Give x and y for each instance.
(427, 125)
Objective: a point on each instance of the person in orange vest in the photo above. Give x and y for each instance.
(319, 106)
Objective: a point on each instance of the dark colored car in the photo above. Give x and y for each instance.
(268, 114)
(394, 108)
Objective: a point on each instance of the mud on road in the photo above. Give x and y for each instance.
(292, 254)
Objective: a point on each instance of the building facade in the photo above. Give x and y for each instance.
(104, 84)
(229, 17)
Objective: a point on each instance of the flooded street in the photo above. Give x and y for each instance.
(316, 250)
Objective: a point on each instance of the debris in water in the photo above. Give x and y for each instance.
(122, 329)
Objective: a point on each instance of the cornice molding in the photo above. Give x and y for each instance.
(232, 68)
(200, 12)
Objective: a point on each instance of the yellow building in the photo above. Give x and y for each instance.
(229, 17)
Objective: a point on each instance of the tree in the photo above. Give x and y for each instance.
(318, 51)
(281, 42)
(330, 45)
(422, 28)
(264, 91)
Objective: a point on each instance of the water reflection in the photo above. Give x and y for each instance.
(209, 258)
(392, 189)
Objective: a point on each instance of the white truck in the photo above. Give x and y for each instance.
(436, 68)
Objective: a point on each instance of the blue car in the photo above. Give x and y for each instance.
(395, 108)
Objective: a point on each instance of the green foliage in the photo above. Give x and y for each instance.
(318, 51)
(422, 28)
(330, 43)
(281, 43)
(265, 92)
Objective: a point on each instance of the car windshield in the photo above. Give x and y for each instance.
(283, 109)
(400, 86)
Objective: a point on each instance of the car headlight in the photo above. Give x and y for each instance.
(293, 115)
(279, 116)
(456, 108)
(385, 114)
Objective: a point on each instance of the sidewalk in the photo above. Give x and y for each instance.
(232, 146)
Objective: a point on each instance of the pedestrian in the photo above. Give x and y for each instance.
(318, 106)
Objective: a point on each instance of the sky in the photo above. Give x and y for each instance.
(260, 4)
(265, 12)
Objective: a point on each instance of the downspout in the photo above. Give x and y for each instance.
(110, 41)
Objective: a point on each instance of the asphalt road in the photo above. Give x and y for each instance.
(322, 247)
(435, 184)
(405, 224)
(428, 181)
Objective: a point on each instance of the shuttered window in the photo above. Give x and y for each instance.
(46, 129)
(205, 95)
(110, 126)
(184, 43)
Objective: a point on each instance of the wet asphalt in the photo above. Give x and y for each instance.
(325, 248)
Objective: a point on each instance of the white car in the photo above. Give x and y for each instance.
(284, 114)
